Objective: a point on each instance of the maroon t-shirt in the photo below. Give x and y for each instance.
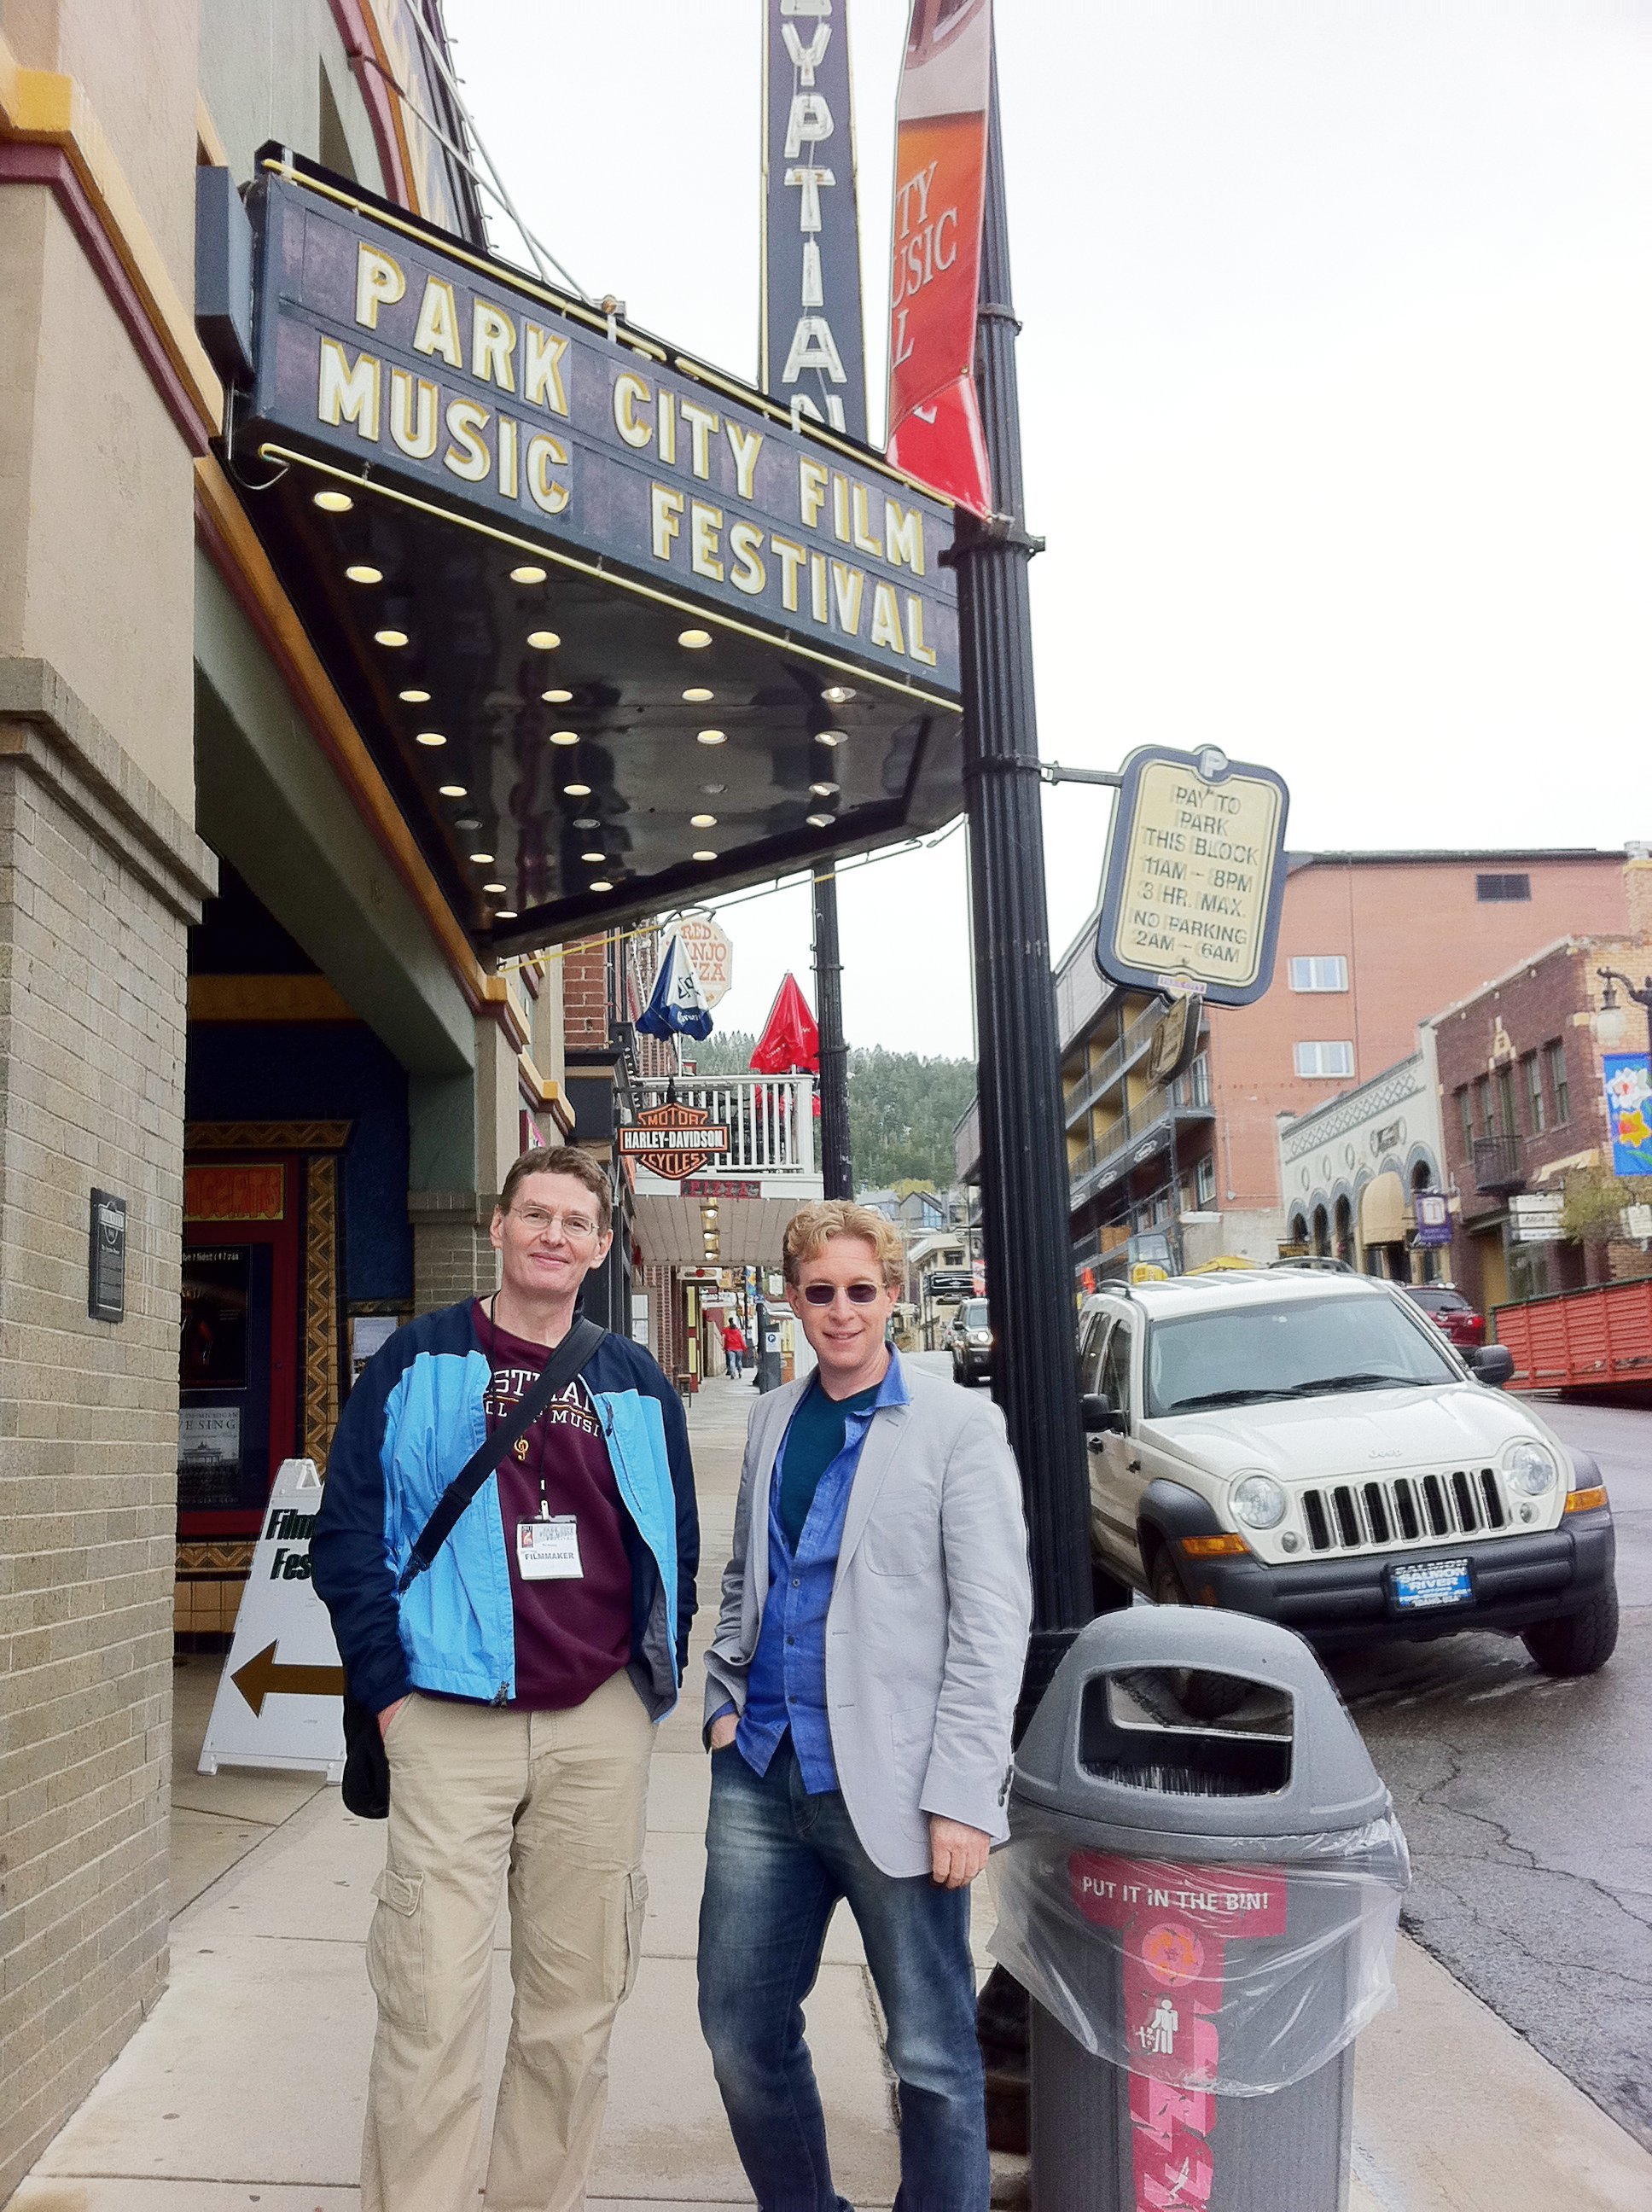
(571, 1634)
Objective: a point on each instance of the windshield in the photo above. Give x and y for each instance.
(1310, 1348)
(975, 1313)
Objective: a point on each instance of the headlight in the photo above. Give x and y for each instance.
(1530, 1469)
(1258, 1501)
(980, 1336)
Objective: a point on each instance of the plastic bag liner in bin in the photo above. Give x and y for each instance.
(1210, 1903)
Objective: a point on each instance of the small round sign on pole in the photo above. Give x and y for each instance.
(711, 950)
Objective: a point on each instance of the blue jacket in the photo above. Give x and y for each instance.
(409, 1425)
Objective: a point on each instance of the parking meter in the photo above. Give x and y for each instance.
(769, 1353)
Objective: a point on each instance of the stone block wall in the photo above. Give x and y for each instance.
(452, 1258)
(99, 880)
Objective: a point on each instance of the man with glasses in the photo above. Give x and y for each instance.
(864, 1677)
(518, 1682)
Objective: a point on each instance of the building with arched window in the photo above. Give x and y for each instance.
(1351, 1169)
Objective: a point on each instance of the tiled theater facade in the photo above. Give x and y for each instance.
(231, 995)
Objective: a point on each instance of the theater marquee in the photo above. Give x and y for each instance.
(433, 370)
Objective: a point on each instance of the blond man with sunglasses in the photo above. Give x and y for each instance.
(868, 1655)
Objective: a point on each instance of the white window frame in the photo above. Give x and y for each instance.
(1307, 971)
(1205, 1182)
(1310, 1057)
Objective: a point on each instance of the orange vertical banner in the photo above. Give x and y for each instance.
(940, 170)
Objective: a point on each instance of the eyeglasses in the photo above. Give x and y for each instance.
(538, 1222)
(858, 1294)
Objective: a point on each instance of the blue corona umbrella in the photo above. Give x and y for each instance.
(679, 1004)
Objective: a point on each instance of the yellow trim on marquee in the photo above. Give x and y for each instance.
(760, 402)
(776, 641)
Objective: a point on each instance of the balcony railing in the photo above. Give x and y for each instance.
(1496, 1165)
(1112, 1064)
(1093, 1166)
(771, 1119)
(966, 1143)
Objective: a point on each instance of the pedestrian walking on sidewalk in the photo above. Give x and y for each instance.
(864, 1673)
(733, 1349)
(517, 1683)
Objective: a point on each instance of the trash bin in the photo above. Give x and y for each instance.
(1204, 1913)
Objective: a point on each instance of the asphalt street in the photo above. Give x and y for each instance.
(1527, 1805)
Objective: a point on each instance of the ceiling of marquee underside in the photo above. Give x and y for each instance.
(570, 746)
(752, 1231)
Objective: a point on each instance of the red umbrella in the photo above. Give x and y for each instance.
(790, 1043)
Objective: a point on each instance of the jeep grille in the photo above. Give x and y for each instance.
(1405, 1509)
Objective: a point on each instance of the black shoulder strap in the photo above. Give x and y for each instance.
(558, 1372)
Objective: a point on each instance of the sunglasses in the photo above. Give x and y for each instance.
(858, 1294)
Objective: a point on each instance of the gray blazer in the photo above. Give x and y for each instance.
(927, 1632)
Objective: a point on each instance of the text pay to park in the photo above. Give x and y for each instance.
(1194, 876)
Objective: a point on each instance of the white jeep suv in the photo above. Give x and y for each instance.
(1310, 1449)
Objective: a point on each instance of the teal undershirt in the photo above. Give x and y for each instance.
(812, 1442)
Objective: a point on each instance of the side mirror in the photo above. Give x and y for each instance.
(1101, 1417)
(1492, 1363)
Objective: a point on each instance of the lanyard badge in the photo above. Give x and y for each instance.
(548, 1548)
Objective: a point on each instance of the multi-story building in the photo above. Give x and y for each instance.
(1524, 1114)
(1350, 1172)
(1370, 944)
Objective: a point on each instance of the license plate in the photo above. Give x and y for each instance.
(1430, 1584)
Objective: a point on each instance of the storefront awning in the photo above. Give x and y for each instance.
(1383, 1211)
(617, 633)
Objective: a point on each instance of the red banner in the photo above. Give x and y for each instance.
(1177, 1922)
(940, 173)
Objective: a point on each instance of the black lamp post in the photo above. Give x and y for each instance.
(1025, 1203)
(1024, 1177)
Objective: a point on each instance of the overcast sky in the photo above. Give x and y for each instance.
(1336, 378)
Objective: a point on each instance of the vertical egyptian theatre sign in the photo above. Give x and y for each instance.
(1194, 876)
(813, 351)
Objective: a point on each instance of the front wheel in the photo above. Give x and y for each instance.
(1206, 1696)
(1107, 1593)
(1579, 1643)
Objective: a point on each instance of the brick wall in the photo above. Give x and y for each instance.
(452, 1258)
(1549, 1002)
(1417, 938)
(584, 994)
(668, 1338)
(99, 879)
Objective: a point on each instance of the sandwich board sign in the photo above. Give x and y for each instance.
(280, 1702)
(1194, 876)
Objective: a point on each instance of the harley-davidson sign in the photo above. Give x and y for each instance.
(672, 1140)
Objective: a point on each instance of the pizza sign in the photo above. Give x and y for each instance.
(672, 1140)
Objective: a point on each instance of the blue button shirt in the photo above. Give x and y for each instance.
(786, 1687)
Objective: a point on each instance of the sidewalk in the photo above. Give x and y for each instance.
(245, 2085)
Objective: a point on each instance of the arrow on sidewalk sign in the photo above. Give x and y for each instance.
(262, 1677)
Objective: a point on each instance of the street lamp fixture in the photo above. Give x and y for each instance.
(1642, 994)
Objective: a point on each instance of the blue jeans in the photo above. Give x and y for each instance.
(778, 1860)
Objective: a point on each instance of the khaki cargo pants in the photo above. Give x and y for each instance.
(552, 1806)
